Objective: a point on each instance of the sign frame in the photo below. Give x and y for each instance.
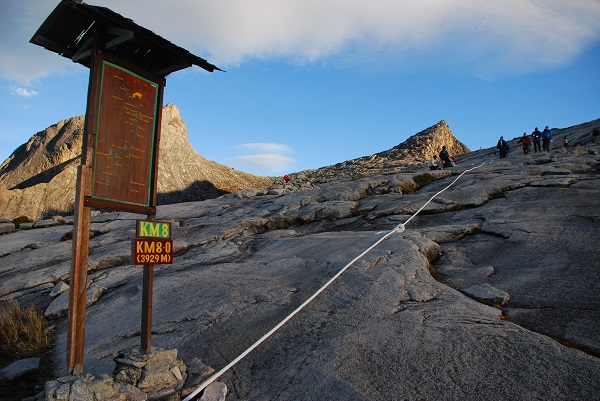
(100, 126)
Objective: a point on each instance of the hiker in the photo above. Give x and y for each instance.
(445, 157)
(536, 135)
(526, 143)
(286, 178)
(434, 164)
(566, 144)
(595, 135)
(546, 139)
(502, 147)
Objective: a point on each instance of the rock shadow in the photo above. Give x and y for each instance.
(45, 176)
(197, 191)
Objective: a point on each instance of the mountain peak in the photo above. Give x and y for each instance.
(39, 176)
(416, 150)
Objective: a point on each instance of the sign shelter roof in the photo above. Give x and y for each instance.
(68, 31)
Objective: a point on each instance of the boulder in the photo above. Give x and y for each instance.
(6, 226)
(487, 294)
(215, 391)
(19, 368)
(59, 288)
(60, 305)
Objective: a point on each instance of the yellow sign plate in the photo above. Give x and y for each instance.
(152, 251)
(153, 229)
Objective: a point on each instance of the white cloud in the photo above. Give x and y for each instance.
(265, 147)
(265, 158)
(484, 36)
(263, 164)
(23, 92)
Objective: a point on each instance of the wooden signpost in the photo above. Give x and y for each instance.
(119, 162)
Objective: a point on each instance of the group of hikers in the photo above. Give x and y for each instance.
(541, 142)
(444, 161)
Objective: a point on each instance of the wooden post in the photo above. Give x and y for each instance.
(81, 222)
(78, 289)
(147, 292)
(146, 332)
(148, 285)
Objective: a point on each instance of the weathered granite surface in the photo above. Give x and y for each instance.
(396, 325)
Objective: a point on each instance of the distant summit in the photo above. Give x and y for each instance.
(420, 147)
(416, 150)
(39, 177)
(45, 155)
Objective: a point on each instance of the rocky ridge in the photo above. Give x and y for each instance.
(416, 150)
(39, 178)
(410, 320)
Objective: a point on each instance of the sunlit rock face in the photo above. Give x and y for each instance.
(39, 178)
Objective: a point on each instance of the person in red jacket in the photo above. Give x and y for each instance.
(526, 143)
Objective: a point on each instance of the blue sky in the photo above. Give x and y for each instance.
(313, 83)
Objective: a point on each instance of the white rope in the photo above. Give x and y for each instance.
(430, 199)
(398, 229)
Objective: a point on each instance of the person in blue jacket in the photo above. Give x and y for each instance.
(546, 139)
